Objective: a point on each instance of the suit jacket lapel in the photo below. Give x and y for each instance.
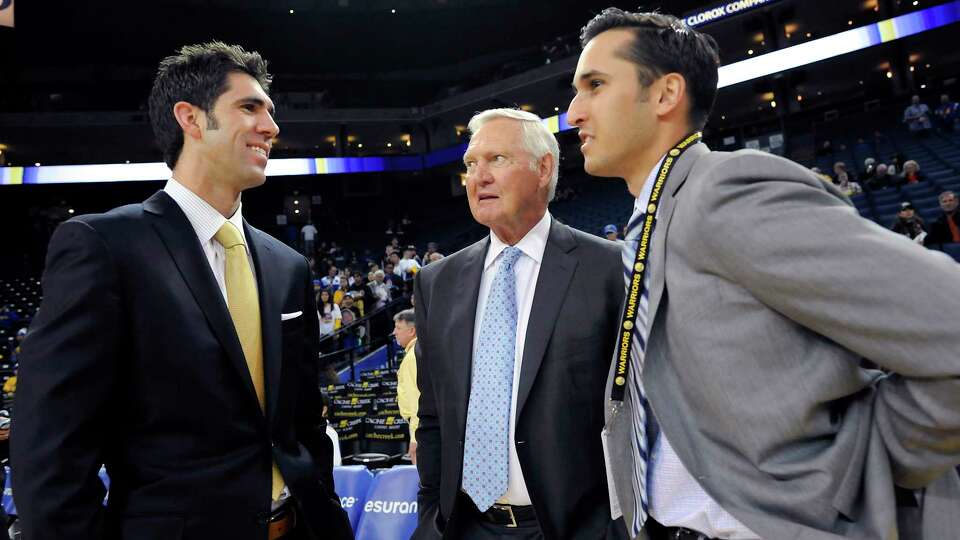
(462, 322)
(270, 309)
(678, 177)
(556, 271)
(180, 239)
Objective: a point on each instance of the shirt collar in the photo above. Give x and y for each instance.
(532, 244)
(411, 345)
(205, 219)
(647, 189)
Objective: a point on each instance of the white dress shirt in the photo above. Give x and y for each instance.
(526, 269)
(676, 499)
(206, 221)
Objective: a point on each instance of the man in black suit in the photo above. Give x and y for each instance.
(515, 336)
(177, 345)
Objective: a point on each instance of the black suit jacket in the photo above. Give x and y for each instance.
(567, 352)
(133, 361)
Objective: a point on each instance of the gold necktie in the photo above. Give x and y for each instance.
(245, 311)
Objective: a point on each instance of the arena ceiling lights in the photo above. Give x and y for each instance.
(792, 57)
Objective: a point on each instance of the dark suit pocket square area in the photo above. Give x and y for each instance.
(152, 527)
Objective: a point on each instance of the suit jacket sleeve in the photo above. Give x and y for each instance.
(801, 249)
(68, 372)
(428, 431)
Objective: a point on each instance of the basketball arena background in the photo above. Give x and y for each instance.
(373, 97)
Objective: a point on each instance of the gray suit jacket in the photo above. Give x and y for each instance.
(767, 289)
(559, 417)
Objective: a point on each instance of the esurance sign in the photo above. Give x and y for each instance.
(709, 15)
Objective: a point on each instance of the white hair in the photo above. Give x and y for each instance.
(537, 139)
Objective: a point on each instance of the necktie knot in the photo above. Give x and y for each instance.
(229, 236)
(510, 256)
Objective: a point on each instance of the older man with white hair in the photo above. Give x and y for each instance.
(515, 333)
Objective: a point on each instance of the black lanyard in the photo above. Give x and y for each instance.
(635, 291)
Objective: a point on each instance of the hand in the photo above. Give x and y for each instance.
(4, 434)
(412, 451)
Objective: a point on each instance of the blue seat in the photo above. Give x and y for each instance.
(390, 512)
(953, 250)
(885, 209)
(887, 196)
(352, 483)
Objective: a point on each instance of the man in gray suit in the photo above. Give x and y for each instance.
(514, 337)
(737, 407)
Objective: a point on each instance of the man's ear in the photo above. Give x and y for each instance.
(188, 117)
(672, 95)
(546, 166)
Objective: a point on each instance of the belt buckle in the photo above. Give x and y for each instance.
(509, 509)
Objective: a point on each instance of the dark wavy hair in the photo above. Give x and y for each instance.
(664, 44)
(197, 75)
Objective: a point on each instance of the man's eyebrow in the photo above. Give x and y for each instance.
(588, 75)
(258, 102)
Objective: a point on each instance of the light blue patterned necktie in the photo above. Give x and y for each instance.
(635, 394)
(486, 452)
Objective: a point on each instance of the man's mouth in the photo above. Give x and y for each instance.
(263, 150)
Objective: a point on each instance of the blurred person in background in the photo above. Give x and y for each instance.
(408, 395)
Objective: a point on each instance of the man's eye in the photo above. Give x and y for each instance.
(594, 83)
(500, 158)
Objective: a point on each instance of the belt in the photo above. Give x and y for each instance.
(282, 522)
(656, 531)
(510, 516)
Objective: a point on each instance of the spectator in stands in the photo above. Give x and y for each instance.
(911, 173)
(610, 233)
(358, 290)
(895, 165)
(408, 395)
(351, 337)
(390, 274)
(869, 165)
(348, 302)
(908, 223)
(330, 281)
(408, 266)
(880, 179)
(946, 228)
(327, 324)
(379, 290)
(431, 249)
(435, 256)
(847, 186)
(917, 117)
(326, 306)
(840, 172)
(947, 114)
(393, 264)
(341, 288)
(308, 233)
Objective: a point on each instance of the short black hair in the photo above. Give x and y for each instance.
(664, 44)
(197, 74)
